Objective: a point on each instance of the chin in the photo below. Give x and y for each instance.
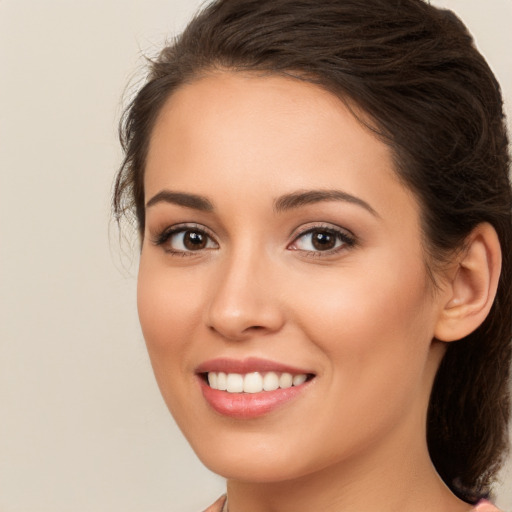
(268, 471)
(257, 460)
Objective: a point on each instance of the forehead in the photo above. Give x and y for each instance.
(245, 134)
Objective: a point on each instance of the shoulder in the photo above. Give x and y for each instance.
(485, 506)
(219, 504)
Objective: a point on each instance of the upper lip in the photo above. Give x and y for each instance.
(248, 365)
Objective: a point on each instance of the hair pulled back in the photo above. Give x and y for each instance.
(430, 95)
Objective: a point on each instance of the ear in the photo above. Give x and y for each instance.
(472, 285)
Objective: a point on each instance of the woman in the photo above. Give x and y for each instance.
(322, 194)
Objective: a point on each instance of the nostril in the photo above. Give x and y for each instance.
(234, 317)
(241, 333)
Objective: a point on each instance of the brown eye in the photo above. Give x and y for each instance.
(323, 240)
(194, 240)
(185, 240)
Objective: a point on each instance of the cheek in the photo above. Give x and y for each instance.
(376, 326)
(374, 334)
(169, 311)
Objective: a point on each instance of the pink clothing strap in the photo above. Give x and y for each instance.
(485, 506)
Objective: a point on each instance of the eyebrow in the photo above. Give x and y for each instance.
(303, 198)
(283, 203)
(193, 201)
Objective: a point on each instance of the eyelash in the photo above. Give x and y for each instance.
(164, 237)
(341, 235)
(347, 240)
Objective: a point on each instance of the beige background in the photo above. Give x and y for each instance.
(82, 425)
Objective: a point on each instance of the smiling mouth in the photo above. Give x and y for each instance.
(254, 382)
(250, 388)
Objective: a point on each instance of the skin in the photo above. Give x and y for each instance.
(361, 318)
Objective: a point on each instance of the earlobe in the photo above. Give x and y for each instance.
(472, 287)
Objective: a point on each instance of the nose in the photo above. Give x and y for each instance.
(243, 299)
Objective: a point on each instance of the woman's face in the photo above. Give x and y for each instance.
(281, 255)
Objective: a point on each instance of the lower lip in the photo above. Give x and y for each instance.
(249, 405)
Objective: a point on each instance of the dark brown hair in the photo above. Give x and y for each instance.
(429, 94)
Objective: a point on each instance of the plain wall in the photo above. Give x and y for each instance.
(82, 424)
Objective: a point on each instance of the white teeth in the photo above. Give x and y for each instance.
(221, 381)
(270, 381)
(235, 383)
(254, 382)
(299, 379)
(212, 380)
(286, 380)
